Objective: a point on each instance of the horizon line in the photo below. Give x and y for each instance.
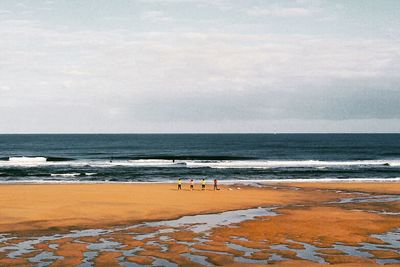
(183, 133)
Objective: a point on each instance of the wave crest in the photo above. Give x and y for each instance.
(27, 160)
(65, 174)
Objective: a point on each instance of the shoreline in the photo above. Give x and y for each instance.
(222, 182)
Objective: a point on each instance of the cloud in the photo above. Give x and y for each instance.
(280, 11)
(5, 88)
(136, 81)
(5, 12)
(306, 9)
(156, 16)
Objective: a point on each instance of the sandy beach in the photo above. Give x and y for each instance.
(283, 115)
(314, 216)
(57, 206)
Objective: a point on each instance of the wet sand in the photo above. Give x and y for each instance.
(310, 225)
(43, 207)
(377, 187)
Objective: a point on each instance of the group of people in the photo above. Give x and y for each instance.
(203, 184)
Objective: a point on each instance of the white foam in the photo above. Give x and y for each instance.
(65, 174)
(267, 164)
(220, 164)
(42, 161)
(151, 162)
(26, 161)
(313, 180)
(242, 164)
(251, 182)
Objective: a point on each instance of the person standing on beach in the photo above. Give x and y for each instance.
(216, 184)
(203, 184)
(191, 184)
(179, 184)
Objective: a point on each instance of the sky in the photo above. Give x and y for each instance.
(172, 66)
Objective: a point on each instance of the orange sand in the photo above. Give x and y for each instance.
(55, 207)
(314, 222)
(378, 187)
(321, 225)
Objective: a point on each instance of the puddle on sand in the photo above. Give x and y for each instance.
(250, 261)
(88, 257)
(368, 199)
(5, 237)
(44, 258)
(353, 251)
(27, 246)
(210, 251)
(105, 245)
(247, 251)
(163, 262)
(273, 258)
(202, 260)
(163, 247)
(393, 244)
(308, 253)
(205, 222)
(195, 223)
(387, 261)
(132, 252)
(391, 238)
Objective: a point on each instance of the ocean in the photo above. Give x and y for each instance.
(42, 158)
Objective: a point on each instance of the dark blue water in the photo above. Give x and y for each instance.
(160, 157)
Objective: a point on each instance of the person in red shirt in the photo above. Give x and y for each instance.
(191, 184)
(216, 184)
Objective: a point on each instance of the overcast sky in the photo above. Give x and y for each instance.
(199, 66)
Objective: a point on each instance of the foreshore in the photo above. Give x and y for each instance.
(309, 214)
(45, 206)
(26, 207)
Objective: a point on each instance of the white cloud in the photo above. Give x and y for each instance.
(135, 78)
(5, 12)
(5, 88)
(280, 11)
(156, 16)
(188, 61)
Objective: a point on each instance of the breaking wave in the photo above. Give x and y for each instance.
(65, 174)
(217, 164)
(27, 160)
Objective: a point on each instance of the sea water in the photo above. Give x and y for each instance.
(226, 157)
